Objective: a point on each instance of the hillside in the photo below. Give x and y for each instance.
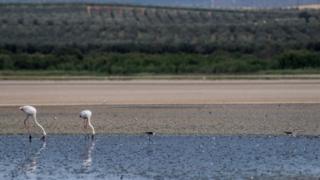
(112, 26)
(77, 37)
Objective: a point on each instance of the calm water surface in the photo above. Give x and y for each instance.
(161, 157)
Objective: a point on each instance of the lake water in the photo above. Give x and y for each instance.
(160, 157)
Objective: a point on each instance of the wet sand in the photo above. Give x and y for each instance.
(166, 107)
(173, 119)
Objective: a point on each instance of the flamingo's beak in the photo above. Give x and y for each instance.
(20, 108)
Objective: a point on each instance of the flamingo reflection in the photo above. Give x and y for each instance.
(87, 156)
(31, 162)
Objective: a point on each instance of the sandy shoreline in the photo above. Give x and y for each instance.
(159, 92)
(224, 119)
(166, 106)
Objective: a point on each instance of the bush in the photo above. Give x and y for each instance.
(6, 62)
(299, 59)
(167, 63)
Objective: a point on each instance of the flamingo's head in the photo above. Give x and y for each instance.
(21, 108)
(86, 114)
(83, 117)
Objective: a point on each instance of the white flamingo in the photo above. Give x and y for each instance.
(86, 116)
(32, 111)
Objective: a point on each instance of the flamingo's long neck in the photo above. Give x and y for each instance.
(89, 123)
(38, 124)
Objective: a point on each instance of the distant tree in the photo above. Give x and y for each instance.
(35, 22)
(50, 22)
(305, 15)
(20, 21)
(4, 21)
(5, 62)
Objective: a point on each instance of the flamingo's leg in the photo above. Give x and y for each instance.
(27, 126)
(25, 122)
(28, 122)
(86, 124)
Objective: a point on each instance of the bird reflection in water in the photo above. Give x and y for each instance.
(87, 156)
(31, 163)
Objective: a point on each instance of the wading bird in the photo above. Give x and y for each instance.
(86, 116)
(32, 111)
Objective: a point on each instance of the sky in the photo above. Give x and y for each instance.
(188, 3)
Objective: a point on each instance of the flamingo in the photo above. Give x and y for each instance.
(32, 111)
(86, 116)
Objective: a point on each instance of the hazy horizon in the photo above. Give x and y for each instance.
(187, 3)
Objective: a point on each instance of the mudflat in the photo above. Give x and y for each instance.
(226, 119)
(166, 107)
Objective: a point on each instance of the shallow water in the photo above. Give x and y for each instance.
(161, 157)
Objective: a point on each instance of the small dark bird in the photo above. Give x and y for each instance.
(288, 132)
(150, 133)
